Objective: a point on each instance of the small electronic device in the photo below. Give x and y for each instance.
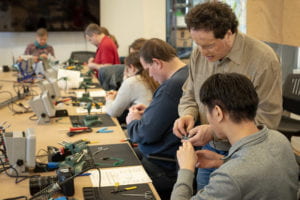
(50, 73)
(43, 107)
(51, 85)
(20, 150)
(36, 184)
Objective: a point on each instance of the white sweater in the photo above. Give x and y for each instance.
(132, 91)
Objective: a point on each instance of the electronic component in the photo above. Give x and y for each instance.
(20, 150)
(43, 107)
(37, 184)
(52, 87)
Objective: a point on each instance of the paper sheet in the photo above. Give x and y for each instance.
(122, 175)
(100, 93)
(68, 79)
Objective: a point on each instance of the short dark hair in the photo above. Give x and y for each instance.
(93, 29)
(157, 48)
(233, 93)
(212, 16)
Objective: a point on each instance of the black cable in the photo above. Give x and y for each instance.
(43, 155)
(13, 198)
(33, 119)
(12, 104)
(17, 176)
(11, 97)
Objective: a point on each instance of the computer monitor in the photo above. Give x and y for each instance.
(43, 107)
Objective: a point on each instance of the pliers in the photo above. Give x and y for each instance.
(104, 130)
(76, 130)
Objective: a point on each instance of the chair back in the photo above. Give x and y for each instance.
(291, 94)
(111, 77)
(81, 56)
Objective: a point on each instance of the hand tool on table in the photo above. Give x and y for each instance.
(117, 189)
(104, 130)
(146, 195)
(77, 130)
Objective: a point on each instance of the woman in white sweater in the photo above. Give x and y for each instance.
(137, 88)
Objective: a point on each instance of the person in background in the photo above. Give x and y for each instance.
(111, 77)
(106, 53)
(39, 48)
(137, 88)
(151, 127)
(260, 164)
(136, 45)
(221, 48)
(106, 32)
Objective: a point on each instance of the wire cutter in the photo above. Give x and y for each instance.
(104, 130)
(76, 130)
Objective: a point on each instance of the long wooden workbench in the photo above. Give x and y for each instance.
(47, 135)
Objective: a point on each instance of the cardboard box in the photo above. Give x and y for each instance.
(183, 34)
(184, 42)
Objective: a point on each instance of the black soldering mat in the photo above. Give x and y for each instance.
(104, 193)
(77, 120)
(120, 151)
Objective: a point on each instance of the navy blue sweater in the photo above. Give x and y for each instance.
(153, 132)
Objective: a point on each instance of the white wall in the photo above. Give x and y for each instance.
(126, 19)
(132, 19)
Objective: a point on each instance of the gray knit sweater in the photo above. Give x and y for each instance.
(260, 166)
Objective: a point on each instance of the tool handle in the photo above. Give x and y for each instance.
(78, 128)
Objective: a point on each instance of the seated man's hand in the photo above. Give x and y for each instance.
(138, 108)
(186, 156)
(92, 65)
(44, 56)
(35, 59)
(182, 125)
(208, 159)
(200, 135)
(111, 95)
(90, 60)
(134, 114)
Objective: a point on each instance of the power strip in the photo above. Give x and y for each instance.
(12, 100)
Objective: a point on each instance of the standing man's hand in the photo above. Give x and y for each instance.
(183, 125)
(139, 108)
(200, 135)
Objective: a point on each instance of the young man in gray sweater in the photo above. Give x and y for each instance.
(260, 163)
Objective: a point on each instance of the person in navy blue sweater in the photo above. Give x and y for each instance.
(151, 127)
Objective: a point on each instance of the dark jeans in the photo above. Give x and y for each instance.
(162, 179)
